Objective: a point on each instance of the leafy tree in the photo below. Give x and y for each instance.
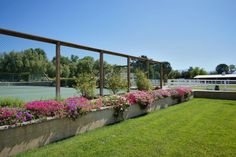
(222, 68)
(65, 71)
(51, 70)
(192, 72)
(174, 74)
(166, 70)
(115, 82)
(232, 68)
(30, 60)
(138, 64)
(86, 84)
(85, 65)
(73, 65)
(142, 82)
(197, 71)
(107, 68)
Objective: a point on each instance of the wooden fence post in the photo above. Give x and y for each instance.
(101, 74)
(58, 82)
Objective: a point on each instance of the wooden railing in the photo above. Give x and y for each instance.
(59, 43)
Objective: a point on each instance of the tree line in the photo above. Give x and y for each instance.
(35, 62)
(194, 71)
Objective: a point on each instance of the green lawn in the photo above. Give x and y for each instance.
(200, 127)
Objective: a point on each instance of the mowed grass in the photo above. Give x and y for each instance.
(200, 127)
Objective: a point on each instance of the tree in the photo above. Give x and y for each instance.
(107, 68)
(51, 70)
(30, 60)
(166, 70)
(139, 64)
(64, 66)
(174, 74)
(197, 71)
(222, 68)
(142, 82)
(86, 85)
(232, 68)
(192, 72)
(85, 65)
(115, 82)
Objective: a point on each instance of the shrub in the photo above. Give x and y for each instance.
(11, 102)
(116, 83)
(49, 108)
(10, 116)
(142, 82)
(86, 85)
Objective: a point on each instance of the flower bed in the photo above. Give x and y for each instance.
(74, 107)
(51, 120)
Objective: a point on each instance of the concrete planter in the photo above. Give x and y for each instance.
(215, 94)
(135, 111)
(19, 139)
(14, 140)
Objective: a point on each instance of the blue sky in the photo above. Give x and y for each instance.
(184, 32)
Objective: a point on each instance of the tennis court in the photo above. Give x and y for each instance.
(30, 93)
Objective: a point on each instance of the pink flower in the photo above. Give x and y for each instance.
(10, 116)
(141, 97)
(182, 91)
(45, 108)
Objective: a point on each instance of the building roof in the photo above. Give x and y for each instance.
(215, 76)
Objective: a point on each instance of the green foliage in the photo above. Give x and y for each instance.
(85, 65)
(192, 72)
(222, 68)
(232, 68)
(67, 82)
(174, 74)
(197, 71)
(86, 85)
(115, 82)
(107, 68)
(29, 60)
(166, 70)
(142, 82)
(139, 64)
(11, 102)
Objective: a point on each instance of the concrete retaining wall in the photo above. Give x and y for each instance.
(215, 95)
(22, 138)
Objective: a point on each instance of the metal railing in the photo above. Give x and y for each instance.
(229, 85)
(59, 43)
